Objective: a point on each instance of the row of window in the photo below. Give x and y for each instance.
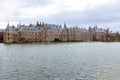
(29, 33)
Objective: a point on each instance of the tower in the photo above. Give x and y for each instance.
(65, 25)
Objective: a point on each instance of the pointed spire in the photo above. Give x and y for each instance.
(65, 25)
(8, 24)
(40, 23)
(107, 30)
(90, 29)
(37, 24)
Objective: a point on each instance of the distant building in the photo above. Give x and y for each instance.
(11, 35)
(30, 33)
(99, 34)
(43, 32)
(115, 36)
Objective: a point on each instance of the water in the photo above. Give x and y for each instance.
(60, 61)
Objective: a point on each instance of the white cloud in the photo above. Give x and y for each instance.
(21, 10)
(43, 11)
(80, 5)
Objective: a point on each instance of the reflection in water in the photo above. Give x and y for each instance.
(60, 61)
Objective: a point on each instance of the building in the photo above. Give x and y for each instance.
(71, 34)
(10, 34)
(115, 36)
(43, 32)
(99, 34)
(53, 32)
(30, 33)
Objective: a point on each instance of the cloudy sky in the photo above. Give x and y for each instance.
(104, 13)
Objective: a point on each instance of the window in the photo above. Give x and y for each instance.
(8, 34)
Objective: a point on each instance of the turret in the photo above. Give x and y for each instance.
(7, 28)
(65, 25)
(37, 24)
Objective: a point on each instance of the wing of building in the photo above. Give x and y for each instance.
(42, 32)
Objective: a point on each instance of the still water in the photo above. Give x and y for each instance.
(60, 61)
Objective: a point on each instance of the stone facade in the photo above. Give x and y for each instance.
(43, 32)
(115, 36)
(11, 37)
(99, 34)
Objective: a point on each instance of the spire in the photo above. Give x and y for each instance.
(37, 24)
(65, 25)
(107, 30)
(8, 26)
(40, 23)
(90, 29)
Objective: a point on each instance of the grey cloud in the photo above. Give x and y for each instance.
(29, 3)
(104, 14)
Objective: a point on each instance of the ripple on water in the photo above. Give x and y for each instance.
(68, 61)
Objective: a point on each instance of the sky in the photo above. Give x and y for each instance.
(84, 13)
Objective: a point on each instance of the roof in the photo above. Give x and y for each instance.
(10, 28)
(30, 28)
(53, 27)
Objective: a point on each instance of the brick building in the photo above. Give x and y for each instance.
(51, 32)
